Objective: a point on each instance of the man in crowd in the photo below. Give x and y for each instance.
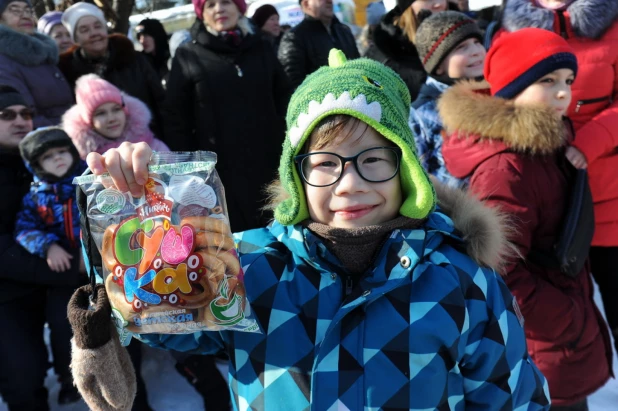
(305, 48)
(24, 281)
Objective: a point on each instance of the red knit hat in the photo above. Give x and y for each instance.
(518, 59)
(198, 5)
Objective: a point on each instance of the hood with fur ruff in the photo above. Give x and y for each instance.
(484, 230)
(86, 139)
(29, 50)
(588, 18)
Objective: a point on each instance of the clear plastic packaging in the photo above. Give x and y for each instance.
(169, 262)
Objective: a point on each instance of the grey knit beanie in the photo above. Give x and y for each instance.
(440, 33)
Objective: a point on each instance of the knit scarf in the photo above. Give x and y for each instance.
(232, 37)
(356, 248)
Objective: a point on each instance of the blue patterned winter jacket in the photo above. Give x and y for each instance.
(425, 329)
(427, 127)
(49, 215)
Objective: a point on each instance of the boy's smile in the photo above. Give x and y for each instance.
(353, 202)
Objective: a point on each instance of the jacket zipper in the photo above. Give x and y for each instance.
(562, 22)
(580, 103)
(238, 70)
(68, 221)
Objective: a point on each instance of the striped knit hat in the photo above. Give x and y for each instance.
(440, 33)
(371, 92)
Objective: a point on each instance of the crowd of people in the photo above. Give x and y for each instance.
(449, 266)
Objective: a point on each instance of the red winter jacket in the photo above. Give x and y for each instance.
(515, 160)
(591, 28)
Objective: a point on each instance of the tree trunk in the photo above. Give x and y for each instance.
(123, 10)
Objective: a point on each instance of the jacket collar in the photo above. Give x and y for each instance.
(203, 37)
(587, 18)
(29, 50)
(468, 110)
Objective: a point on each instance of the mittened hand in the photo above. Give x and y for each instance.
(576, 158)
(91, 327)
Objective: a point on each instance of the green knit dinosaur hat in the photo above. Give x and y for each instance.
(374, 94)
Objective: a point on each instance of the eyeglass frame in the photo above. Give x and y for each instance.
(20, 13)
(354, 159)
(19, 113)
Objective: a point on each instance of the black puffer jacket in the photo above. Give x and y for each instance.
(305, 48)
(231, 100)
(392, 48)
(22, 273)
(127, 69)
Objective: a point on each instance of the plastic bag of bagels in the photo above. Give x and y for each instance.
(168, 259)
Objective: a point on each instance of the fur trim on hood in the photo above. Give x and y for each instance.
(484, 230)
(468, 111)
(29, 50)
(87, 140)
(589, 18)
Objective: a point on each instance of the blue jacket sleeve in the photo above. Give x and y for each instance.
(498, 373)
(30, 231)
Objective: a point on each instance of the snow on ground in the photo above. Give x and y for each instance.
(167, 390)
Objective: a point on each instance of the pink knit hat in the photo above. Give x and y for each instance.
(91, 91)
(199, 7)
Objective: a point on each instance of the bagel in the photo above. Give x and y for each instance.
(202, 223)
(107, 248)
(232, 265)
(206, 239)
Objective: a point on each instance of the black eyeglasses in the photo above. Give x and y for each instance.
(9, 115)
(322, 169)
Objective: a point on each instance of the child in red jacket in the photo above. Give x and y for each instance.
(509, 140)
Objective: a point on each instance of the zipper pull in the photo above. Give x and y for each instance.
(238, 70)
(348, 285)
(578, 106)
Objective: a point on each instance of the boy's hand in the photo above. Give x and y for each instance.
(576, 157)
(127, 165)
(58, 259)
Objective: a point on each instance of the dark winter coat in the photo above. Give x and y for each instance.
(28, 64)
(305, 48)
(392, 48)
(49, 215)
(22, 273)
(515, 160)
(127, 69)
(591, 28)
(231, 100)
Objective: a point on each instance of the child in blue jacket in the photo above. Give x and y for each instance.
(450, 47)
(367, 296)
(48, 226)
(48, 223)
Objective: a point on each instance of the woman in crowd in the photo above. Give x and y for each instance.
(228, 93)
(393, 41)
(110, 56)
(50, 24)
(591, 28)
(266, 19)
(153, 38)
(28, 63)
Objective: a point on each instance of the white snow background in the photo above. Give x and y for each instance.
(167, 390)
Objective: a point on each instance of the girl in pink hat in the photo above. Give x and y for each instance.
(104, 117)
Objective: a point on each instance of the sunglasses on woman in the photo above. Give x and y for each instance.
(9, 115)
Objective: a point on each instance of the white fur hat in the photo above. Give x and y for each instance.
(72, 15)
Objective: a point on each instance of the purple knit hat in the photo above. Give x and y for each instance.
(48, 21)
(198, 5)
